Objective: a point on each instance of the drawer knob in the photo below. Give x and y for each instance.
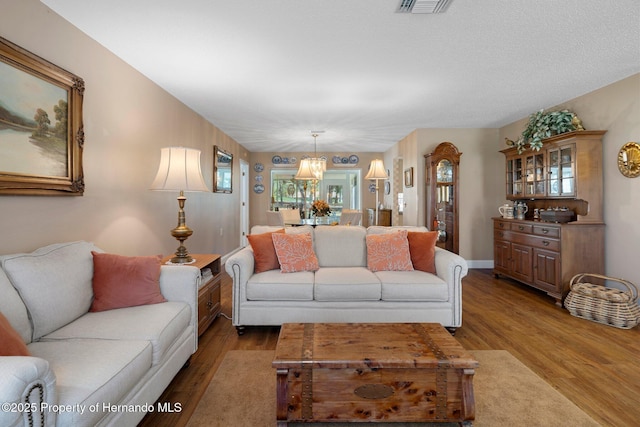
(520, 228)
(545, 242)
(545, 230)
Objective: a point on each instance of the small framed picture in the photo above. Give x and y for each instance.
(408, 177)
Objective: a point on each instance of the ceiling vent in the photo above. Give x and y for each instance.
(422, 6)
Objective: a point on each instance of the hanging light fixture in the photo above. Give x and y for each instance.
(312, 168)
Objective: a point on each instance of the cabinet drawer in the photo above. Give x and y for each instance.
(522, 228)
(501, 225)
(544, 230)
(501, 235)
(536, 241)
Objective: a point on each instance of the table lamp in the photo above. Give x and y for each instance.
(179, 170)
(376, 172)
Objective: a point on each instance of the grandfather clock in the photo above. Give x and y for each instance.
(442, 194)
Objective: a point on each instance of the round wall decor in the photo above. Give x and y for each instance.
(629, 160)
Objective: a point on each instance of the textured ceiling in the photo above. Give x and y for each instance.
(268, 72)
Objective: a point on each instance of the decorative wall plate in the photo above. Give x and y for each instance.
(629, 160)
(258, 167)
(258, 188)
(276, 160)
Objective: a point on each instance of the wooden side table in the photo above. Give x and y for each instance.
(209, 290)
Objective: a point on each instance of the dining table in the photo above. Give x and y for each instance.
(315, 221)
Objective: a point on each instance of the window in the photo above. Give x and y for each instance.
(339, 187)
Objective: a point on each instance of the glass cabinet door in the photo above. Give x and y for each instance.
(534, 175)
(510, 167)
(517, 177)
(561, 172)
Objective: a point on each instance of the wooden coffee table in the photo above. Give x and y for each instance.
(383, 372)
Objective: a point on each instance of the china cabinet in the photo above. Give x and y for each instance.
(565, 174)
(442, 194)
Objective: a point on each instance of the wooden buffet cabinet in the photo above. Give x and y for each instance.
(384, 217)
(565, 173)
(209, 305)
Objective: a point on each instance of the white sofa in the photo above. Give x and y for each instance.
(343, 289)
(89, 368)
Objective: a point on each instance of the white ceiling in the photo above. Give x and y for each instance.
(268, 72)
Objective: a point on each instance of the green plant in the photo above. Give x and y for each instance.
(542, 125)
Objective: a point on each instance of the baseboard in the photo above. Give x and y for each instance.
(225, 257)
(480, 264)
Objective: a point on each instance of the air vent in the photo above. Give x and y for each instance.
(422, 6)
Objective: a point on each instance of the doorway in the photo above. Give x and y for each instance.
(244, 203)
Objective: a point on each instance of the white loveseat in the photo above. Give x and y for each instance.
(89, 368)
(344, 289)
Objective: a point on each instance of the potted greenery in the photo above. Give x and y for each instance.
(542, 125)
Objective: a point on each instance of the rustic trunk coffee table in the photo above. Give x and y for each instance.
(383, 372)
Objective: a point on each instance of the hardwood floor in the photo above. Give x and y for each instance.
(595, 366)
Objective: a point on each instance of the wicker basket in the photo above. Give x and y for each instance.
(609, 306)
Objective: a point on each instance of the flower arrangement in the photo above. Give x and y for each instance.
(320, 208)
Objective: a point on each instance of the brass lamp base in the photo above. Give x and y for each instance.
(181, 233)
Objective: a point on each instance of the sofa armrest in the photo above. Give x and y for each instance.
(240, 267)
(180, 283)
(27, 392)
(452, 268)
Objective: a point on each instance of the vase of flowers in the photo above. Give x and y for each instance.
(320, 208)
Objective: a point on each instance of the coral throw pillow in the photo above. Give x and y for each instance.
(11, 343)
(422, 246)
(388, 252)
(295, 252)
(264, 254)
(121, 281)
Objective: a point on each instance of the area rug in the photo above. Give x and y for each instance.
(242, 393)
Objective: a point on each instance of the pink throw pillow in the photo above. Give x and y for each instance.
(295, 252)
(422, 246)
(264, 254)
(389, 252)
(121, 281)
(11, 343)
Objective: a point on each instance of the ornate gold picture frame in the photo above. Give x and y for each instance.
(41, 131)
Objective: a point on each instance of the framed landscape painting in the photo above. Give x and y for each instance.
(41, 133)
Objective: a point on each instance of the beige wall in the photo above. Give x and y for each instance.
(127, 119)
(480, 183)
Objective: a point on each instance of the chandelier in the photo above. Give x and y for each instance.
(312, 168)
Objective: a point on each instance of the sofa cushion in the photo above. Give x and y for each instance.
(341, 246)
(422, 246)
(389, 252)
(412, 286)
(13, 308)
(123, 281)
(160, 324)
(93, 372)
(264, 254)
(54, 283)
(275, 286)
(11, 343)
(295, 252)
(346, 284)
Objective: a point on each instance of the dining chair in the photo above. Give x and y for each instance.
(290, 215)
(350, 217)
(275, 218)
